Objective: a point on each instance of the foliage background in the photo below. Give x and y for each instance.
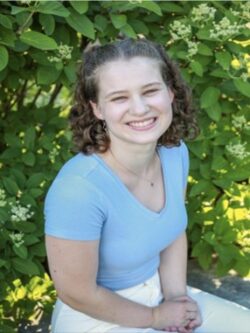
(40, 48)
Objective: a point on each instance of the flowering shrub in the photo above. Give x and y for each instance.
(40, 44)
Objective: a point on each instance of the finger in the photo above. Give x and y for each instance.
(183, 329)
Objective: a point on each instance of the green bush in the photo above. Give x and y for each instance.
(40, 46)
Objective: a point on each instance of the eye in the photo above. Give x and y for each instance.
(151, 91)
(118, 99)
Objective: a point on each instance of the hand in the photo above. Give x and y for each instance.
(175, 313)
(192, 322)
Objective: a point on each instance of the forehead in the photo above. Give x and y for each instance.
(121, 74)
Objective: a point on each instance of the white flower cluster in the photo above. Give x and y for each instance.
(53, 153)
(20, 213)
(17, 238)
(245, 10)
(64, 53)
(245, 76)
(240, 122)
(2, 198)
(224, 29)
(202, 13)
(238, 150)
(179, 30)
(192, 48)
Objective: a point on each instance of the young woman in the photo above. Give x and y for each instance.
(115, 214)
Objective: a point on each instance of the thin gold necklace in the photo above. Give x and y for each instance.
(131, 171)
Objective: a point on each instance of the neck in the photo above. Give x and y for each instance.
(138, 158)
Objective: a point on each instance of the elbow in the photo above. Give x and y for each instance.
(80, 299)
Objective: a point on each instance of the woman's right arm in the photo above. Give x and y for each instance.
(73, 266)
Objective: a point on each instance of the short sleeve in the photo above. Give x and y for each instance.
(185, 164)
(74, 209)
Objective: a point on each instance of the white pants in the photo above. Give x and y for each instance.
(218, 314)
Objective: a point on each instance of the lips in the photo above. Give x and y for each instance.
(142, 124)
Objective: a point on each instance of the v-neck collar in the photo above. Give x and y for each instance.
(132, 197)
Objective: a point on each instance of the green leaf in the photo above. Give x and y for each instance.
(7, 37)
(229, 236)
(30, 239)
(25, 266)
(38, 250)
(29, 159)
(219, 162)
(12, 139)
(36, 192)
(242, 267)
(26, 227)
(150, 6)
(29, 137)
(238, 174)
(5, 21)
(204, 252)
(210, 238)
(198, 149)
(81, 23)
(70, 71)
(221, 226)
(38, 40)
(205, 170)
(118, 20)
(16, 10)
(224, 58)
(35, 180)
(209, 97)
(21, 251)
(139, 27)
(46, 75)
(204, 50)
(47, 22)
(197, 68)
(219, 73)
(2, 262)
(242, 87)
(53, 8)
(223, 183)
(80, 6)
(128, 31)
(170, 6)
(101, 22)
(200, 187)
(10, 153)
(10, 185)
(4, 57)
(19, 176)
(214, 112)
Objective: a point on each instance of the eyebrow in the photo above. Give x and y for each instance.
(124, 91)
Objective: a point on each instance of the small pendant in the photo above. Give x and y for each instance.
(152, 184)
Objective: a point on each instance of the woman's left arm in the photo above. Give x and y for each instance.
(173, 268)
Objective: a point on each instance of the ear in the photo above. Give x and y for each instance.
(96, 110)
(171, 95)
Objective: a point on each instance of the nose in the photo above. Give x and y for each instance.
(138, 106)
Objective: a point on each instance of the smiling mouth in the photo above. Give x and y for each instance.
(145, 124)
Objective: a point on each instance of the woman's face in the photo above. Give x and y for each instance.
(133, 100)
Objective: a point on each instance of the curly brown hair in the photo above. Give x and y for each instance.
(89, 133)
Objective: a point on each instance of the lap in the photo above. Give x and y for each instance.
(220, 315)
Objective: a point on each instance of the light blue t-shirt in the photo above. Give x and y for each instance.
(88, 201)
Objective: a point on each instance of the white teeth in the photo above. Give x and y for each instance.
(142, 123)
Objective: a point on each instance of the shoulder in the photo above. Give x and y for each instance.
(73, 181)
(79, 165)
